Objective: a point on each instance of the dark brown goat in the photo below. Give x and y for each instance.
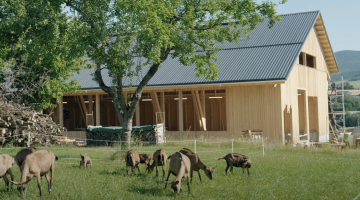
(237, 160)
(160, 159)
(146, 159)
(21, 155)
(197, 164)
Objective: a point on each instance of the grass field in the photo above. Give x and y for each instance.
(284, 173)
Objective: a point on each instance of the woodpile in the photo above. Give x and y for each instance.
(17, 121)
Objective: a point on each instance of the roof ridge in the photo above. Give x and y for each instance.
(270, 45)
(297, 13)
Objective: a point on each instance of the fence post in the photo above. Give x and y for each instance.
(195, 145)
(232, 146)
(28, 143)
(262, 140)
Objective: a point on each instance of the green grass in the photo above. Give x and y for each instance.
(284, 173)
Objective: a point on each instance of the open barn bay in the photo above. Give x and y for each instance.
(284, 173)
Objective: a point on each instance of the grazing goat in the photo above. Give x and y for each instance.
(132, 160)
(197, 164)
(160, 159)
(37, 164)
(180, 167)
(85, 160)
(21, 155)
(145, 158)
(6, 162)
(237, 160)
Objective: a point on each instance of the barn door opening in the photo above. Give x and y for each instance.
(313, 118)
(288, 124)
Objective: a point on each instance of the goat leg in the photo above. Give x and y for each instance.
(167, 179)
(248, 171)
(49, 182)
(39, 183)
(157, 171)
(227, 167)
(188, 183)
(12, 176)
(6, 181)
(164, 168)
(199, 175)
(191, 175)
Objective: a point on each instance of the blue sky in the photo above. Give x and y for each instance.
(341, 18)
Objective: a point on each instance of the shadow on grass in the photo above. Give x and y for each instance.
(155, 191)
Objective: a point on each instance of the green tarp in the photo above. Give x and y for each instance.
(118, 129)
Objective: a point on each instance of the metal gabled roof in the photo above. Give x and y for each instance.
(269, 55)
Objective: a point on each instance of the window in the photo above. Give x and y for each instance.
(310, 61)
(307, 60)
(301, 58)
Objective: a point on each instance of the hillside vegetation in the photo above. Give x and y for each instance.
(349, 66)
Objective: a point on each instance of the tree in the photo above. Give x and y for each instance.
(126, 37)
(38, 45)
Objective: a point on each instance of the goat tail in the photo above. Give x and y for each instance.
(221, 158)
(56, 157)
(169, 157)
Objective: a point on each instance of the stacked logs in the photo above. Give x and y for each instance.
(17, 121)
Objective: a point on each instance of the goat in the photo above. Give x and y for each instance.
(132, 160)
(85, 160)
(6, 163)
(146, 159)
(197, 164)
(21, 155)
(37, 164)
(180, 167)
(237, 160)
(160, 159)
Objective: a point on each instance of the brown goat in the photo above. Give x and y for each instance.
(85, 160)
(146, 159)
(237, 160)
(21, 155)
(37, 164)
(6, 162)
(132, 160)
(197, 164)
(160, 159)
(180, 167)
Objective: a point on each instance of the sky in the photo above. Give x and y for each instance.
(341, 18)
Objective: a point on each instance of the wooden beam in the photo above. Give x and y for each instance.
(156, 106)
(203, 101)
(162, 98)
(83, 108)
(181, 116)
(137, 113)
(202, 116)
(90, 109)
(61, 112)
(97, 109)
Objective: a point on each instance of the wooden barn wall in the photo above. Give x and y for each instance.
(256, 108)
(314, 81)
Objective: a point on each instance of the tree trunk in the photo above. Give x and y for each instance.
(127, 128)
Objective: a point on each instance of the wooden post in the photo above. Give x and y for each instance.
(203, 101)
(97, 109)
(181, 116)
(306, 113)
(84, 109)
(162, 98)
(61, 112)
(137, 113)
(90, 109)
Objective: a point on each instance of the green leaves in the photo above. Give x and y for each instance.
(38, 43)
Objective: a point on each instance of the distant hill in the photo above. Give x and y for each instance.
(349, 65)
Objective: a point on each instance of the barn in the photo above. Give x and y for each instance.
(276, 84)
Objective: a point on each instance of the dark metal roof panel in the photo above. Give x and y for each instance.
(270, 55)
